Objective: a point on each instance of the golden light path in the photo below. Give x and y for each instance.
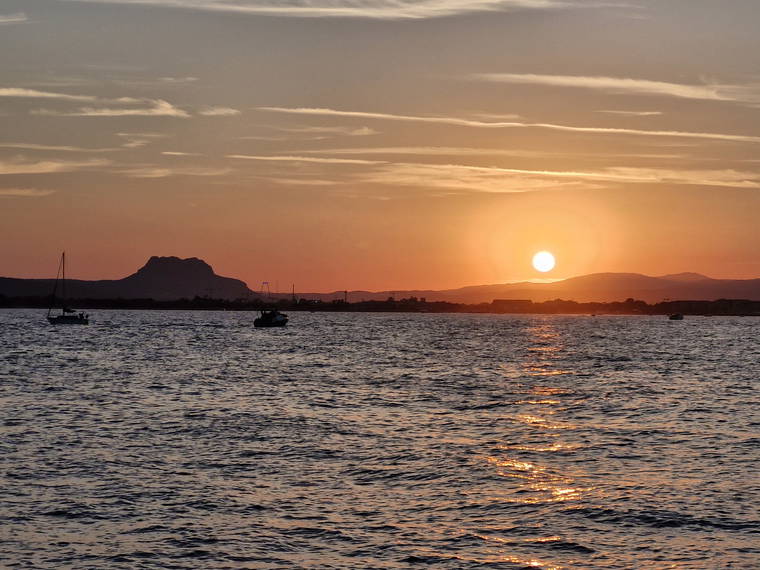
(543, 261)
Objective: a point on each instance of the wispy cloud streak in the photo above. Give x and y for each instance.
(631, 113)
(25, 192)
(332, 130)
(492, 179)
(17, 18)
(432, 151)
(456, 121)
(155, 108)
(706, 92)
(55, 148)
(218, 112)
(139, 140)
(164, 172)
(20, 92)
(305, 182)
(304, 159)
(373, 9)
(497, 179)
(462, 178)
(49, 166)
(111, 106)
(469, 151)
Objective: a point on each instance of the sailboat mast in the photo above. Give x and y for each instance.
(63, 280)
(55, 284)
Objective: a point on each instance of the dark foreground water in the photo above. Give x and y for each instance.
(192, 440)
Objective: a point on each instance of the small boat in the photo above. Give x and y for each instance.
(676, 317)
(270, 318)
(68, 316)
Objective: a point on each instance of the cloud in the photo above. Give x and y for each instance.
(275, 139)
(388, 116)
(49, 166)
(143, 135)
(456, 121)
(334, 130)
(135, 143)
(25, 192)
(35, 94)
(218, 112)
(432, 151)
(138, 140)
(178, 153)
(313, 133)
(17, 18)
(640, 132)
(726, 177)
(374, 9)
(625, 85)
(493, 179)
(304, 159)
(498, 116)
(496, 179)
(480, 152)
(155, 108)
(56, 148)
(633, 113)
(147, 107)
(178, 80)
(462, 178)
(129, 106)
(305, 181)
(163, 172)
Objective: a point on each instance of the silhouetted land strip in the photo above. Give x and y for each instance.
(735, 307)
(171, 278)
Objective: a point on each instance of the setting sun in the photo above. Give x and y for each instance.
(543, 261)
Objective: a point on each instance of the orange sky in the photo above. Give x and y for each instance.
(370, 145)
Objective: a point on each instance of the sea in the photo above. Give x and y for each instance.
(172, 439)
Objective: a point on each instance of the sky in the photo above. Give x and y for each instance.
(380, 144)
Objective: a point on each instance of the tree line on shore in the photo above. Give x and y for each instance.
(630, 306)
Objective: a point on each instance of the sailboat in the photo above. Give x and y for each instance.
(68, 316)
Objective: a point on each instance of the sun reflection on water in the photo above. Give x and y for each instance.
(543, 422)
(534, 481)
(514, 464)
(540, 483)
(510, 559)
(541, 371)
(548, 390)
(557, 446)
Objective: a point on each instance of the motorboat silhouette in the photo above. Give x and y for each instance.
(270, 318)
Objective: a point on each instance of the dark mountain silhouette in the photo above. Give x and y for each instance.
(171, 278)
(601, 287)
(685, 277)
(175, 278)
(161, 278)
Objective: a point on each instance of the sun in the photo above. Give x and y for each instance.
(543, 261)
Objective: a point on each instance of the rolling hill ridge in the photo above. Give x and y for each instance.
(171, 278)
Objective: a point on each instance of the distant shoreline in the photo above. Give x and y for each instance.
(720, 307)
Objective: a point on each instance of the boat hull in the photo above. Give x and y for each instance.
(270, 318)
(259, 323)
(68, 320)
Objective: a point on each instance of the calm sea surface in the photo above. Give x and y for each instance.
(192, 440)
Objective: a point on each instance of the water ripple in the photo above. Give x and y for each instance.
(192, 440)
